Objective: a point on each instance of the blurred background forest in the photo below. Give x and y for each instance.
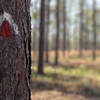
(65, 49)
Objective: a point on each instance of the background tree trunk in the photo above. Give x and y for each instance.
(94, 29)
(15, 55)
(57, 34)
(35, 29)
(64, 23)
(81, 26)
(87, 33)
(41, 43)
(47, 31)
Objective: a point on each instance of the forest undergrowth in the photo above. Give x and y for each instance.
(77, 79)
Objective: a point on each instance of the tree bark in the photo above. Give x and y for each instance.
(15, 50)
(41, 42)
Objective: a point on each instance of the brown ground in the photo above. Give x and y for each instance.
(67, 87)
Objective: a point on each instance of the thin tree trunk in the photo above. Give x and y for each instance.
(15, 52)
(47, 32)
(94, 29)
(81, 26)
(57, 34)
(41, 42)
(64, 24)
(87, 34)
(35, 30)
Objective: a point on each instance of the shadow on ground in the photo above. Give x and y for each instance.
(77, 81)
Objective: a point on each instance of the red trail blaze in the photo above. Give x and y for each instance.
(5, 29)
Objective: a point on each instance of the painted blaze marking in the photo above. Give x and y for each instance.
(5, 29)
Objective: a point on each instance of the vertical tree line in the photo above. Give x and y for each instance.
(83, 25)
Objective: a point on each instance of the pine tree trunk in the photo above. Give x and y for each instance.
(87, 34)
(41, 42)
(64, 23)
(94, 30)
(35, 29)
(81, 26)
(47, 31)
(15, 58)
(57, 34)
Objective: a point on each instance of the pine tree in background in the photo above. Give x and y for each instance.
(41, 40)
(57, 34)
(81, 26)
(47, 31)
(65, 26)
(94, 30)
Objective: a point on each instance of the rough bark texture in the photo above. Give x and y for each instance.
(41, 42)
(15, 58)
